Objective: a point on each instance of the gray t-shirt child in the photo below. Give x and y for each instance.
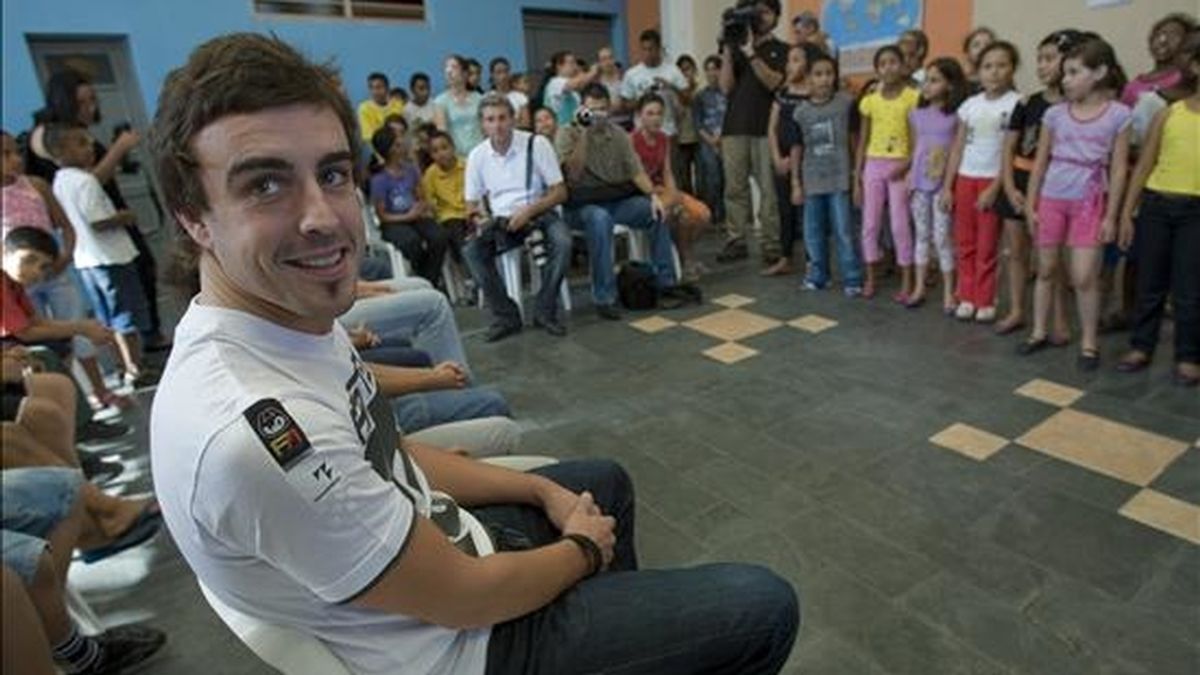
(824, 131)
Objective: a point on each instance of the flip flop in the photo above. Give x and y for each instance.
(1006, 327)
(145, 526)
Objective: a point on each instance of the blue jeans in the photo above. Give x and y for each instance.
(481, 254)
(34, 501)
(597, 222)
(818, 211)
(426, 409)
(709, 619)
(61, 298)
(711, 179)
(415, 314)
(117, 298)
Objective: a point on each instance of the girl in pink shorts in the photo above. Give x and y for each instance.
(1081, 161)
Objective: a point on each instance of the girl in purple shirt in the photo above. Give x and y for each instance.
(1074, 190)
(934, 124)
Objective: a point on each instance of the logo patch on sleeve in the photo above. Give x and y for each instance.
(277, 431)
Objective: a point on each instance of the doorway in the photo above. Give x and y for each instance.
(106, 62)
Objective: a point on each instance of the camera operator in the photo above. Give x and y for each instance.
(752, 68)
(608, 186)
(519, 176)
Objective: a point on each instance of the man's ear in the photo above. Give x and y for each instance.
(196, 229)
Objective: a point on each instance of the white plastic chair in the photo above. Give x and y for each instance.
(81, 612)
(374, 232)
(293, 652)
(510, 271)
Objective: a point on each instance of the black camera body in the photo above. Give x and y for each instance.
(737, 23)
(128, 163)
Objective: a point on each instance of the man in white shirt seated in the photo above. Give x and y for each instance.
(287, 486)
(516, 174)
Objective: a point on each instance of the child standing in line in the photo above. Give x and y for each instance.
(780, 140)
(822, 158)
(104, 252)
(933, 124)
(1076, 186)
(708, 107)
(1165, 192)
(973, 181)
(884, 153)
(1020, 147)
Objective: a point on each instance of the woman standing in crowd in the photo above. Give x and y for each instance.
(456, 110)
(973, 46)
(1076, 186)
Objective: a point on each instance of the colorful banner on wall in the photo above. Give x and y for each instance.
(859, 27)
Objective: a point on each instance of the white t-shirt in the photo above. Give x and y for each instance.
(641, 78)
(501, 178)
(419, 114)
(985, 122)
(518, 100)
(275, 460)
(84, 201)
(1149, 104)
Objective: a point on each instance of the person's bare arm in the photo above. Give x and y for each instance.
(552, 197)
(41, 329)
(1033, 190)
(1147, 158)
(1116, 185)
(777, 158)
(398, 380)
(1008, 171)
(439, 118)
(583, 79)
(106, 168)
(726, 79)
(946, 198)
(794, 158)
(60, 220)
(860, 159)
(120, 219)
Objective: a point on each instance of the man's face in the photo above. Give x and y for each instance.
(596, 105)
(497, 123)
(27, 266)
(420, 92)
(283, 223)
(651, 53)
(379, 91)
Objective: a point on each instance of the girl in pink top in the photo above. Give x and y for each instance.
(28, 202)
(1166, 41)
(1074, 190)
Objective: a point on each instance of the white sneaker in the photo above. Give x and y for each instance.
(986, 315)
(965, 311)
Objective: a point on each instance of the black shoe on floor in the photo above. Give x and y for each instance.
(146, 377)
(733, 251)
(609, 312)
(1032, 346)
(124, 646)
(1089, 360)
(551, 326)
(499, 331)
(101, 431)
(98, 470)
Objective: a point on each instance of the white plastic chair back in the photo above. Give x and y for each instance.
(509, 263)
(287, 650)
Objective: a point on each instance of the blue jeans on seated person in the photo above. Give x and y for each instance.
(426, 409)
(33, 501)
(819, 211)
(597, 222)
(708, 619)
(395, 351)
(481, 253)
(416, 314)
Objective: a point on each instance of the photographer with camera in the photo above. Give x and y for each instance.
(517, 174)
(752, 68)
(607, 187)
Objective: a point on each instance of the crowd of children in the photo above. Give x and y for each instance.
(1090, 170)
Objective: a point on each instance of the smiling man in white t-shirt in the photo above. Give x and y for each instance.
(285, 482)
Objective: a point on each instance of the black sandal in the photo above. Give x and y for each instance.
(1032, 346)
(1089, 360)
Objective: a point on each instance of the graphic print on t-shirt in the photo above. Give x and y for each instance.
(935, 163)
(821, 136)
(373, 419)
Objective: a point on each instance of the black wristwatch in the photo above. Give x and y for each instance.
(590, 549)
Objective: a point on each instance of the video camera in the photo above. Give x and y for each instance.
(585, 116)
(738, 22)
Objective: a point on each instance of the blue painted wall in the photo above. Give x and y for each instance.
(162, 32)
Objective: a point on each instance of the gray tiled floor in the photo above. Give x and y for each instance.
(813, 457)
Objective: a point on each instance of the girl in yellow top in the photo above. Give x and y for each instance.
(442, 184)
(1165, 192)
(882, 162)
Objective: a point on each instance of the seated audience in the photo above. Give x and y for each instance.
(562, 90)
(402, 210)
(294, 497)
(502, 81)
(607, 187)
(545, 124)
(518, 175)
(442, 184)
(420, 109)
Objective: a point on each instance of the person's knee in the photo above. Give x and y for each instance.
(597, 221)
(762, 596)
(491, 403)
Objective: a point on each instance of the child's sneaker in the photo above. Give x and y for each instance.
(965, 311)
(986, 315)
(853, 291)
(810, 285)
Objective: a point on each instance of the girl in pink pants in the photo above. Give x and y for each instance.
(884, 153)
